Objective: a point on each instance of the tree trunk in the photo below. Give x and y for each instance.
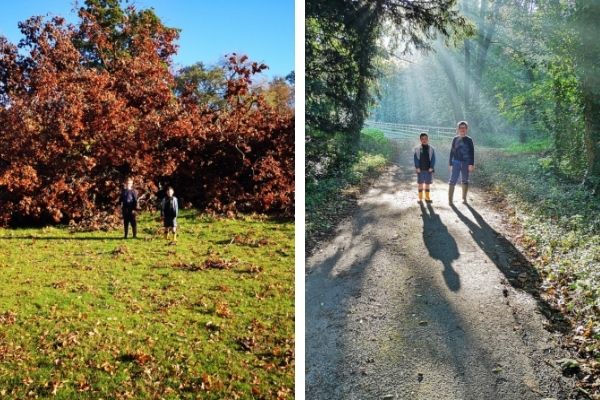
(588, 12)
(366, 25)
(592, 140)
(529, 113)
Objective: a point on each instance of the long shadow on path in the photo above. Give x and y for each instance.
(517, 269)
(440, 245)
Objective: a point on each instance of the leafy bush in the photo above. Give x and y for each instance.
(332, 166)
(532, 146)
(561, 221)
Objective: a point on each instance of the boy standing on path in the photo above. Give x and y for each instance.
(168, 212)
(424, 159)
(129, 204)
(462, 160)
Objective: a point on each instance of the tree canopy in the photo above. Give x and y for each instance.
(530, 70)
(345, 41)
(84, 106)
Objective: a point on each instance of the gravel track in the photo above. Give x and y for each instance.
(417, 301)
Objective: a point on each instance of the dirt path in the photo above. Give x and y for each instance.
(411, 301)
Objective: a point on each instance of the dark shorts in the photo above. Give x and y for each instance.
(425, 177)
(170, 222)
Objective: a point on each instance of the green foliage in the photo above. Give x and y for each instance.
(530, 73)
(206, 85)
(212, 317)
(343, 50)
(535, 146)
(374, 141)
(120, 24)
(561, 220)
(327, 179)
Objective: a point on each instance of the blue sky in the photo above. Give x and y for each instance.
(262, 29)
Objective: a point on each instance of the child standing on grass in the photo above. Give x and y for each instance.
(424, 159)
(129, 204)
(168, 212)
(462, 160)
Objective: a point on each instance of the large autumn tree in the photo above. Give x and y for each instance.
(85, 105)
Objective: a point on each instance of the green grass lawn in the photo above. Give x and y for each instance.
(90, 315)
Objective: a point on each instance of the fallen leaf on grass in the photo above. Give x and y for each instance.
(252, 269)
(59, 284)
(66, 339)
(284, 393)
(83, 386)
(219, 263)
(210, 382)
(222, 310)
(209, 263)
(139, 357)
(247, 343)
(8, 318)
(192, 267)
(119, 251)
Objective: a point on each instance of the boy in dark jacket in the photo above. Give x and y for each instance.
(129, 204)
(424, 158)
(168, 212)
(462, 160)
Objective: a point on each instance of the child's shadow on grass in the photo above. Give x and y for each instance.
(440, 245)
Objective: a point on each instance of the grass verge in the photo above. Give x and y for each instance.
(90, 315)
(561, 235)
(335, 176)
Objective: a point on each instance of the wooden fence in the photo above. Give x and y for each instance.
(407, 131)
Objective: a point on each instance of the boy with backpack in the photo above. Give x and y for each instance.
(424, 158)
(168, 212)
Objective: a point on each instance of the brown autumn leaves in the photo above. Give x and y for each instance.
(81, 108)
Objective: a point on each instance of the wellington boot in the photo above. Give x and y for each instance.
(465, 189)
(450, 193)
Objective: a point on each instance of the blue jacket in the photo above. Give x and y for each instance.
(128, 200)
(417, 156)
(462, 150)
(165, 211)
